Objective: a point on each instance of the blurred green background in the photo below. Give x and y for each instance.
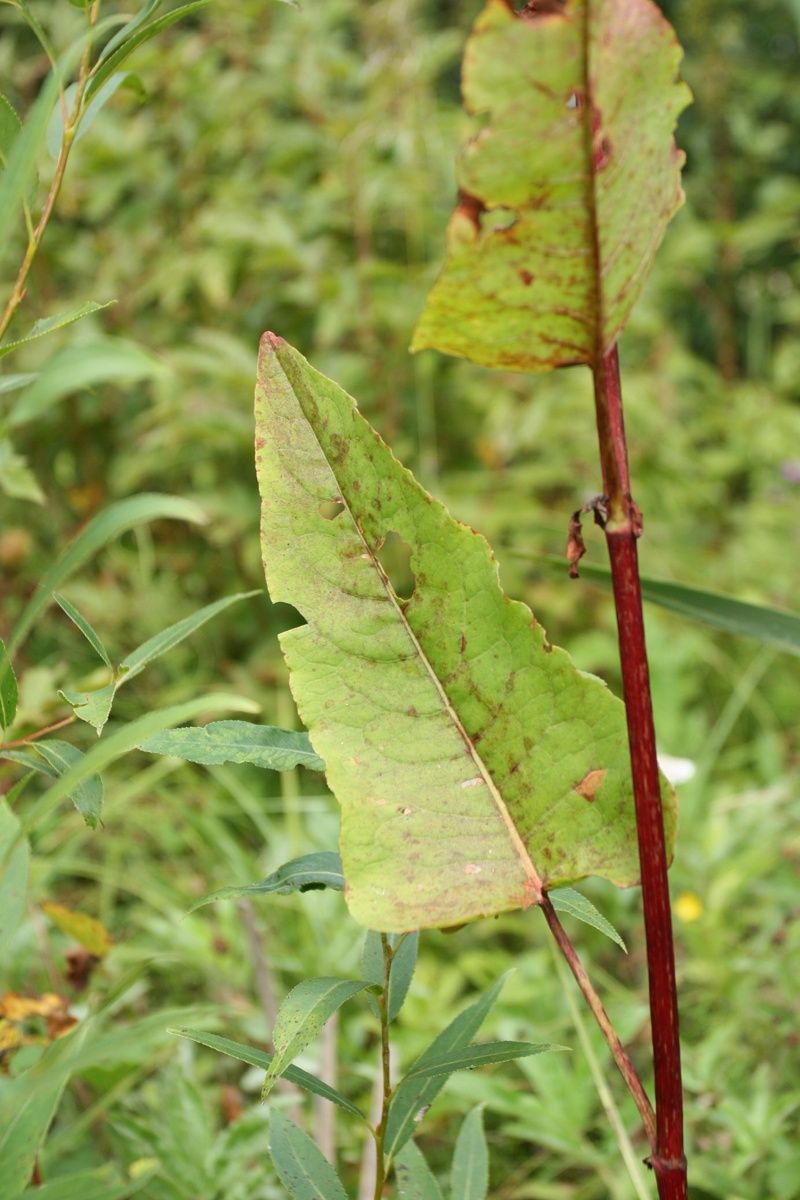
(291, 169)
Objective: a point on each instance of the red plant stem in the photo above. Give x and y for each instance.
(622, 529)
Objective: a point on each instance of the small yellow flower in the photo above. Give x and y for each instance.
(688, 907)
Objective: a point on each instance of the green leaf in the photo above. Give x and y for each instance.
(239, 742)
(567, 900)
(85, 628)
(55, 130)
(92, 707)
(474, 764)
(404, 960)
(10, 128)
(19, 176)
(138, 659)
(124, 514)
(470, 1057)
(415, 1180)
(8, 689)
(112, 360)
(304, 1171)
(106, 66)
(59, 760)
(772, 626)
(116, 744)
(568, 188)
(14, 878)
(312, 872)
(26, 1112)
(300, 1018)
(469, 1177)
(130, 27)
(413, 1097)
(16, 478)
(51, 324)
(260, 1058)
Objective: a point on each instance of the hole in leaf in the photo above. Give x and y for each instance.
(330, 509)
(395, 558)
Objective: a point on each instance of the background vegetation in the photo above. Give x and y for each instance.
(271, 167)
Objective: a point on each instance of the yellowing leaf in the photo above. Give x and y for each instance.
(86, 931)
(567, 191)
(474, 764)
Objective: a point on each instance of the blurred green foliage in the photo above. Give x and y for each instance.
(291, 169)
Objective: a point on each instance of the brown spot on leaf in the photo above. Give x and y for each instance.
(540, 8)
(411, 712)
(471, 207)
(589, 785)
(526, 277)
(463, 643)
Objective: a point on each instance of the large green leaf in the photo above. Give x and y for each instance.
(305, 1172)
(567, 191)
(473, 762)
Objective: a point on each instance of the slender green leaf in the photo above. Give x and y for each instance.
(51, 324)
(92, 707)
(138, 659)
(300, 1018)
(19, 175)
(470, 1057)
(124, 514)
(404, 960)
(108, 65)
(112, 360)
(12, 383)
(469, 1177)
(14, 878)
(413, 1097)
(25, 1117)
(59, 760)
(312, 872)
(260, 1058)
(304, 1171)
(415, 1180)
(129, 28)
(85, 628)
(120, 742)
(8, 689)
(10, 128)
(569, 901)
(548, 251)
(55, 130)
(239, 742)
(473, 762)
(772, 626)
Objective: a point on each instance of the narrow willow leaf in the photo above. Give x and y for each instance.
(404, 962)
(260, 1058)
(51, 324)
(567, 900)
(14, 879)
(300, 1018)
(118, 743)
(106, 67)
(239, 742)
(568, 188)
(55, 130)
(138, 659)
(469, 1177)
(19, 174)
(124, 514)
(474, 763)
(85, 628)
(26, 1112)
(415, 1180)
(10, 128)
(304, 1171)
(112, 360)
(772, 626)
(312, 872)
(92, 707)
(8, 689)
(129, 28)
(470, 1057)
(412, 1098)
(59, 760)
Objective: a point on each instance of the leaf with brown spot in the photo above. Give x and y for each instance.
(581, 102)
(451, 740)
